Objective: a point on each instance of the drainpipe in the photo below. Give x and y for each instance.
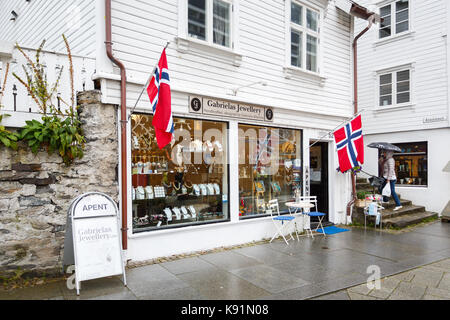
(371, 20)
(123, 121)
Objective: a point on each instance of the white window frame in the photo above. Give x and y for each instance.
(393, 71)
(290, 69)
(209, 34)
(394, 33)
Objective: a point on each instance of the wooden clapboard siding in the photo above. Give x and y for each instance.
(140, 30)
(426, 49)
(49, 19)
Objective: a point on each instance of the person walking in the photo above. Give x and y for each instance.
(388, 167)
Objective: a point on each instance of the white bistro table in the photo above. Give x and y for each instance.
(297, 208)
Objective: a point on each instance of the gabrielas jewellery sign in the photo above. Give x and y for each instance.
(216, 107)
(96, 238)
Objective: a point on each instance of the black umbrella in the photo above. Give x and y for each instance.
(384, 146)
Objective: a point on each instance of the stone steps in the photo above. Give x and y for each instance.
(407, 220)
(408, 215)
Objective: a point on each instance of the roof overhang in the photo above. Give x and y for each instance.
(356, 10)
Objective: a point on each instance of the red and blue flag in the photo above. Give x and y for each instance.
(160, 98)
(350, 144)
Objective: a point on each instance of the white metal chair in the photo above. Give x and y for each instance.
(374, 209)
(286, 221)
(314, 213)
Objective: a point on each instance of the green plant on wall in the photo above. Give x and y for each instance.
(7, 138)
(57, 131)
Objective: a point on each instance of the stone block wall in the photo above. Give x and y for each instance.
(36, 191)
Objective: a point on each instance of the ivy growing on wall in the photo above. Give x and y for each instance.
(57, 131)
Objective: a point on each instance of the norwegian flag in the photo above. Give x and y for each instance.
(350, 144)
(160, 98)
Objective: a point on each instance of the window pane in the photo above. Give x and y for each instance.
(296, 48)
(384, 11)
(402, 86)
(183, 184)
(312, 19)
(386, 100)
(385, 90)
(386, 78)
(400, 5)
(296, 13)
(197, 19)
(400, 27)
(403, 75)
(221, 30)
(401, 16)
(411, 164)
(386, 22)
(311, 53)
(270, 167)
(386, 32)
(403, 97)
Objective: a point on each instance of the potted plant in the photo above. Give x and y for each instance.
(361, 198)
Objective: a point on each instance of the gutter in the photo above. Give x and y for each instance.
(123, 122)
(371, 17)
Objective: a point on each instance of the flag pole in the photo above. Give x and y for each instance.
(146, 84)
(328, 132)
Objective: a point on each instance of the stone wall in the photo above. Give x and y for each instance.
(36, 191)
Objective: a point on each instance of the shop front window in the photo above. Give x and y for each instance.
(270, 167)
(185, 183)
(411, 164)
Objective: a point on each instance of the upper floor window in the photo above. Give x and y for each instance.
(210, 20)
(395, 88)
(305, 37)
(395, 18)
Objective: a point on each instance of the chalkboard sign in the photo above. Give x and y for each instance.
(96, 238)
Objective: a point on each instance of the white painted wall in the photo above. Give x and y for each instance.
(425, 47)
(39, 19)
(436, 195)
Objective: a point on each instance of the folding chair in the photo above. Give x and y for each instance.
(315, 213)
(374, 210)
(286, 221)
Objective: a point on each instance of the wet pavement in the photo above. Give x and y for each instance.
(305, 269)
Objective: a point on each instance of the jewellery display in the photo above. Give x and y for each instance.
(185, 213)
(196, 189)
(192, 211)
(210, 189)
(203, 190)
(168, 213)
(159, 192)
(177, 213)
(173, 185)
(149, 192)
(140, 193)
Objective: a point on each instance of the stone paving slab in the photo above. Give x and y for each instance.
(413, 265)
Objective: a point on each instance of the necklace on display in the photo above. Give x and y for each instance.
(175, 186)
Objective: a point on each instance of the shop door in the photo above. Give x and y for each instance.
(319, 176)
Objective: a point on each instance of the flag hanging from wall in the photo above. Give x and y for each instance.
(160, 98)
(350, 144)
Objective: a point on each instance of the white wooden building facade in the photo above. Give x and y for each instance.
(254, 65)
(404, 88)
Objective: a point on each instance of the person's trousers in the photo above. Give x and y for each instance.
(393, 193)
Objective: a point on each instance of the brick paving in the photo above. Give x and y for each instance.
(429, 282)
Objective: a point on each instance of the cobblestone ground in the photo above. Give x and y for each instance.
(430, 282)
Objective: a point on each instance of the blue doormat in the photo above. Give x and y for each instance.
(332, 230)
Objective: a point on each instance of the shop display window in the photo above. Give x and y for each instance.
(270, 167)
(411, 164)
(185, 183)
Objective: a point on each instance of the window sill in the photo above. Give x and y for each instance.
(397, 37)
(395, 107)
(199, 47)
(290, 72)
(411, 186)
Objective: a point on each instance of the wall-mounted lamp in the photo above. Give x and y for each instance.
(235, 91)
(14, 15)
